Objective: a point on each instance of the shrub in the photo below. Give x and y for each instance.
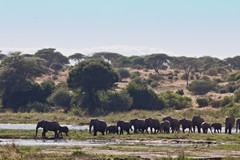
(154, 84)
(123, 73)
(184, 77)
(142, 97)
(155, 77)
(135, 75)
(227, 100)
(232, 110)
(60, 98)
(115, 101)
(212, 72)
(234, 76)
(202, 102)
(215, 103)
(176, 101)
(38, 107)
(201, 87)
(237, 96)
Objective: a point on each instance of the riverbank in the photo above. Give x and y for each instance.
(209, 114)
(81, 145)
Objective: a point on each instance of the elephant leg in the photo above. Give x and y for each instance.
(225, 129)
(103, 132)
(95, 133)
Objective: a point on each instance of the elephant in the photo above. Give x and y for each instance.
(205, 126)
(197, 122)
(112, 129)
(186, 124)
(139, 125)
(124, 126)
(165, 126)
(98, 126)
(152, 124)
(63, 129)
(48, 126)
(174, 123)
(217, 127)
(229, 123)
(237, 124)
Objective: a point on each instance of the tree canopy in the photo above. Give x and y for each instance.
(92, 75)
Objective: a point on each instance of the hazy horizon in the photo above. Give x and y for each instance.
(136, 27)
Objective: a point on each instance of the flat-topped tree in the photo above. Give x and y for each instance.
(157, 61)
(92, 75)
(77, 56)
(51, 56)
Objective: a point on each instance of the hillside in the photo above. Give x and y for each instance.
(164, 84)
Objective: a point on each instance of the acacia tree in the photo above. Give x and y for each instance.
(51, 56)
(157, 61)
(16, 78)
(185, 63)
(90, 76)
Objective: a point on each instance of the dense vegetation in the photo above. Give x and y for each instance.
(92, 85)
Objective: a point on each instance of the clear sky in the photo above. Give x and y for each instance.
(178, 27)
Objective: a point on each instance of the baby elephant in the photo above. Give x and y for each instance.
(112, 129)
(63, 129)
(205, 126)
(217, 127)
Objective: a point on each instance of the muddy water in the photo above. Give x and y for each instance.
(33, 126)
(40, 142)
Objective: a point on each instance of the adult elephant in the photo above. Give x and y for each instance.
(152, 124)
(217, 127)
(205, 126)
(229, 124)
(98, 126)
(139, 125)
(165, 126)
(197, 122)
(48, 126)
(237, 124)
(174, 123)
(124, 126)
(186, 124)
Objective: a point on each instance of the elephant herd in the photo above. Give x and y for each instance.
(167, 125)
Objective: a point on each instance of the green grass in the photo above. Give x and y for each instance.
(210, 115)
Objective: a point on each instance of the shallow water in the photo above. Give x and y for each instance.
(33, 126)
(40, 142)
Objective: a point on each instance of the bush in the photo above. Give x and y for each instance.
(155, 77)
(135, 75)
(202, 102)
(227, 100)
(237, 96)
(154, 84)
(201, 87)
(176, 101)
(232, 110)
(60, 98)
(123, 73)
(215, 103)
(234, 76)
(115, 101)
(142, 97)
(38, 107)
(212, 72)
(229, 88)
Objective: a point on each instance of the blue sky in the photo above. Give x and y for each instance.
(177, 27)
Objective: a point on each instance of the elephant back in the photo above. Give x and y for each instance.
(197, 120)
(230, 121)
